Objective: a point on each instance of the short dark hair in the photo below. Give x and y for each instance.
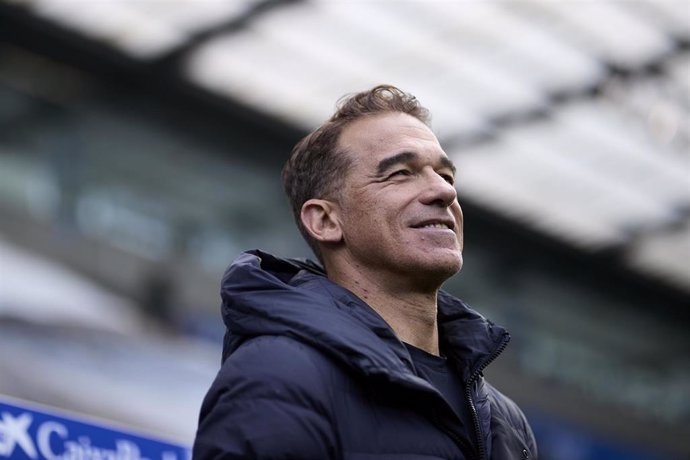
(317, 166)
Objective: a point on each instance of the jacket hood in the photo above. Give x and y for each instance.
(266, 295)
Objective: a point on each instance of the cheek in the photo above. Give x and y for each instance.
(459, 216)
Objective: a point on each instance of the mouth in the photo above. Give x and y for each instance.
(443, 224)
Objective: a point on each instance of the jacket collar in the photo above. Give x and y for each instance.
(266, 295)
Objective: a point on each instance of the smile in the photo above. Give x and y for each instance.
(442, 223)
(444, 226)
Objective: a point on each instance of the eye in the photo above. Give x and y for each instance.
(448, 178)
(401, 172)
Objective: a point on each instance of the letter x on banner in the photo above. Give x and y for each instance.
(31, 433)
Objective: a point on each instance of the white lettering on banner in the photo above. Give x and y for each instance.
(14, 431)
(43, 438)
(83, 450)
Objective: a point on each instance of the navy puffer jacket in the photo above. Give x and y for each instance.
(310, 371)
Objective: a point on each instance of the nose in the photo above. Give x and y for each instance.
(438, 191)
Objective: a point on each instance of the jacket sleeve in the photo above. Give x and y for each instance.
(267, 402)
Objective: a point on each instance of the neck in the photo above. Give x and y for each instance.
(411, 312)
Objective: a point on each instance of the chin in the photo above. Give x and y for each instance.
(452, 267)
(458, 265)
(442, 267)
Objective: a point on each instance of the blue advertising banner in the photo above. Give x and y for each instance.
(29, 432)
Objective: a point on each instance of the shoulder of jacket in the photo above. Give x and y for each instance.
(278, 360)
(505, 407)
(502, 404)
(268, 401)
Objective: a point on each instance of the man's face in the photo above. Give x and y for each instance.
(399, 209)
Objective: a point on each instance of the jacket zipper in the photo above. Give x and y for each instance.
(468, 393)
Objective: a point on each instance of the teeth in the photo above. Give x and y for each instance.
(435, 226)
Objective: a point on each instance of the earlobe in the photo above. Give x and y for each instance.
(320, 218)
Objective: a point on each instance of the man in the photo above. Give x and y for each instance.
(368, 358)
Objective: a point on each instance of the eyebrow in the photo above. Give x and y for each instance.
(407, 157)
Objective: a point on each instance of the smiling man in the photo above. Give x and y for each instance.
(365, 358)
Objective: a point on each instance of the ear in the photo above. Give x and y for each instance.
(320, 218)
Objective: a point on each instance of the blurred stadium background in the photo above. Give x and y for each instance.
(140, 149)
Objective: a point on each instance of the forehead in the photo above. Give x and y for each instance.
(371, 138)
